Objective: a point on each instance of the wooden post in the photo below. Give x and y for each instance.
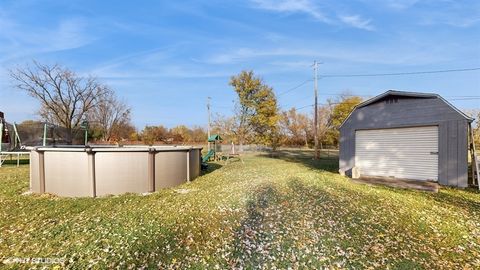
(475, 169)
(41, 168)
(315, 111)
(471, 181)
(208, 127)
(151, 169)
(214, 150)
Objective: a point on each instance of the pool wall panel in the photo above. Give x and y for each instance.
(170, 169)
(66, 174)
(34, 172)
(99, 171)
(121, 172)
(194, 163)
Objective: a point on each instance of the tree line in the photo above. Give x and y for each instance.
(177, 135)
(76, 102)
(258, 118)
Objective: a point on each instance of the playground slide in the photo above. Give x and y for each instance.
(210, 154)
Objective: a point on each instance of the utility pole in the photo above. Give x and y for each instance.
(208, 127)
(315, 128)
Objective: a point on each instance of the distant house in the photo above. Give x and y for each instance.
(406, 135)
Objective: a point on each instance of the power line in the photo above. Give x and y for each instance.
(469, 98)
(222, 107)
(463, 96)
(306, 106)
(373, 75)
(293, 88)
(398, 74)
(298, 101)
(355, 103)
(371, 95)
(335, 103)
(452, 98)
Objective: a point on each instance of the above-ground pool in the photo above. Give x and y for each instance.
(99, 171)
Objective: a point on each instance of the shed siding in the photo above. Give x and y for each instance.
(407, 112)
(462, 157)
(442, 154)
(452, 154)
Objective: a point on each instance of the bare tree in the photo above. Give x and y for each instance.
(64, 97)
(324, 122)
(198, 134)
(232, 128)
(152, 134)
(296, 127)
(181, 133)
(110, 115)
(305, 125)
(228, 127)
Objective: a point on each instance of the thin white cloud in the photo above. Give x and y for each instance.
(161, 73)
(451, 19)
(465, 22)
(312, 9)
(291, 64)
(70, 34)
(357, 22)
(400, 4)
(383, 54)
(292, 6)
(19, 41)
(274, 37)
(461, 14)
(153, 64)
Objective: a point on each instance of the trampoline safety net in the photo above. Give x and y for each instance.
(18, 136)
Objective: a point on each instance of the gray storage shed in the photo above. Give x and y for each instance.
(406, 135)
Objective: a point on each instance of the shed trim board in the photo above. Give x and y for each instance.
(407, 152)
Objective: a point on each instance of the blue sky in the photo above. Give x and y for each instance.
(165, 57)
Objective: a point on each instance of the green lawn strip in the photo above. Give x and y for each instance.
(273, 212)
(405, 221)
(115, 218)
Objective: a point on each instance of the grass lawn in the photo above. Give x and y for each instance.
(281, 212)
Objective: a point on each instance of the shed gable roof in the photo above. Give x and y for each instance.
(396, 93)
(406, 94)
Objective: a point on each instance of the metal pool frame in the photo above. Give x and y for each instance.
(98, 171)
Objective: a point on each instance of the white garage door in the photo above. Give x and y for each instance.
(410, 153)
